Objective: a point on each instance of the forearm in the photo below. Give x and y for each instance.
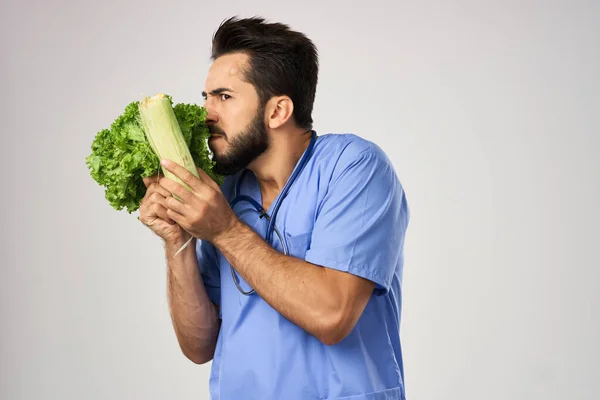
(194, 316)
(300, 291)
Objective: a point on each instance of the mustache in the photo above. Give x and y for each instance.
(215, 130)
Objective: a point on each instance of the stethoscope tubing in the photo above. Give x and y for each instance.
(263, 214)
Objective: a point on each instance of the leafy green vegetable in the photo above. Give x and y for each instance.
(121, 156)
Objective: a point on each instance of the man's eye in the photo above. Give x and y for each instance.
(225, 96)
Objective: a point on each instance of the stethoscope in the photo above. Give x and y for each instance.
(261, 211)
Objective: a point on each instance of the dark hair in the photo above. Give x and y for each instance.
(281, 61)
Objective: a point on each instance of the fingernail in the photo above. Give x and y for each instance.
(165, 162)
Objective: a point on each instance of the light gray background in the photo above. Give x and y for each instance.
(488, 110)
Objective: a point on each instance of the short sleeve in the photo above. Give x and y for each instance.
(362, 219)
(209, 270)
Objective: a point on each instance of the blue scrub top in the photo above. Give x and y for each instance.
(348, 211)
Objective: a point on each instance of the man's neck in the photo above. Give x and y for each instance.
(274, 167)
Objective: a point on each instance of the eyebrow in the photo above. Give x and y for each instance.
(217, 91)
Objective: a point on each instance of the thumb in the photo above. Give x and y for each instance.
(149, 179)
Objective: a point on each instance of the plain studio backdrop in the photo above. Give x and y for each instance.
(488, 110)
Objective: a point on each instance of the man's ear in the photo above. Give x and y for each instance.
(279, 110)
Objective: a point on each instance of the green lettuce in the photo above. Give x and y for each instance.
(121, 155)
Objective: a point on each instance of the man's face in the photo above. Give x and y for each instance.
(235, 117)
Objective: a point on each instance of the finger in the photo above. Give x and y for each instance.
(186, 176)
(178, 218)
(153, 205)
(171, 203)
(154, 194)
(149, 180)
(157, 188)
(161, 212)
(177, 189)
(157, 198)
(153, 211)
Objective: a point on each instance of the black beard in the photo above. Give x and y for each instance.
(244, 148)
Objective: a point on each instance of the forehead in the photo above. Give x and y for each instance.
(227, 71)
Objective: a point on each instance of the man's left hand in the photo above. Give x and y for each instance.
(204, 211)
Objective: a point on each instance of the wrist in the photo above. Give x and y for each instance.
(228, 233)
(174, 243)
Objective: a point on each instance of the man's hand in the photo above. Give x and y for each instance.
(153, 212)
(204, 211)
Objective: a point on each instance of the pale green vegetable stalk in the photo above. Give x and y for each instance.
(164, 135)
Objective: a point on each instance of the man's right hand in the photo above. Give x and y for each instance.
(153, 213)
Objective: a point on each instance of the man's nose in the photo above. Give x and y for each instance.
(211, 115)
